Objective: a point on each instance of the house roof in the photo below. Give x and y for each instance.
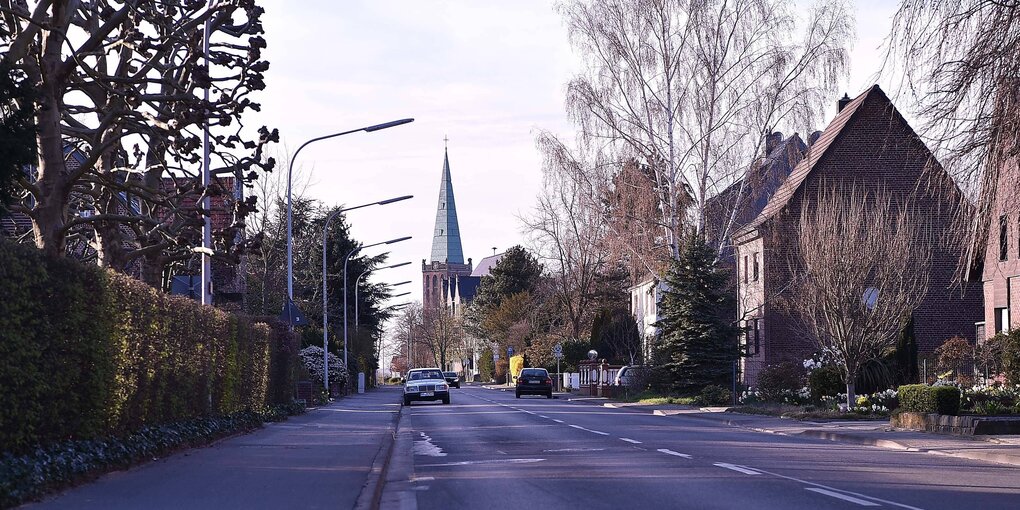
(814, 154)
(485, 265)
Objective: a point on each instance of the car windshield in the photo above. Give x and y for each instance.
(450, 374)
(534, 372)
(426, 374)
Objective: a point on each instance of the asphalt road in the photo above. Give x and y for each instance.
(321, 459)
(490, 450)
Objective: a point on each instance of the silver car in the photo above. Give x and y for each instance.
(426, 384)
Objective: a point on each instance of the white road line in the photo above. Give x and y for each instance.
(543, 416)
(676, 454)
(557, 421)
(630, 440)
(739, 469)
(864, 496)
(578, 427)
(844, 497)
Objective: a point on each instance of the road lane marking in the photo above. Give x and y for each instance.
(557, 421)
(560, 450)
(486, 461)
(844, 497)
(675, 454)
(543, 416)
(863, 496)
(590, 430)
(424, 478)
(739, 469)
(630, 440)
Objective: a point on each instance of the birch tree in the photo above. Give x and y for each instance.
(860, 267)
(688, 89)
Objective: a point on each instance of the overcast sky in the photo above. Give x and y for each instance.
(488, 74)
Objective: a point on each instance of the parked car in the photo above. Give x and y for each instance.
(426, 384)
(452, 379)
(534, 381)
(630, 375)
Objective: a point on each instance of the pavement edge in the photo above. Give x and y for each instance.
(371, 493)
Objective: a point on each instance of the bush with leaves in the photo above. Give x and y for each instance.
(778, 380)
(1011, 357)
(825, 382)
(312, 359)
(714, 395)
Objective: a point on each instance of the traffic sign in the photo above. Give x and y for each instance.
(557, 355)
(509, 351)
(557, 350)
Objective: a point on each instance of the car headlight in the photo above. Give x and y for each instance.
(442, 387)
(410, 389)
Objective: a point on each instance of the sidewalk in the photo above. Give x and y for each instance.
(999, 449)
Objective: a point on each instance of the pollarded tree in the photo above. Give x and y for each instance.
(122, 85)
(860, 266)
(698, 344)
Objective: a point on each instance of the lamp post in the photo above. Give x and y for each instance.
(358, 281)
(346, 259)
(325, 290)
(290, 171)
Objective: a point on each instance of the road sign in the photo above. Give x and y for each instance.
(509, 351)
(495, 357)
(557, 350)
(557, 355)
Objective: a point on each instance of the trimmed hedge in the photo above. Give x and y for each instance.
(87, 353)
(922, 398)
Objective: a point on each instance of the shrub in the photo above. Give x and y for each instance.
(825, 382)
(954, 355)
(922, 398)
(89, 353)
(714, 395)
(1011, 356)
(776, 381)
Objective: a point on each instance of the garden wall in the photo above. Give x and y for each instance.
(86, 353)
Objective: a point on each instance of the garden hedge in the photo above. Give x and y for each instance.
(87, 353)
(922, 398)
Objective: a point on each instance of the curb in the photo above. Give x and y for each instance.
(397, 490)
(371, 493)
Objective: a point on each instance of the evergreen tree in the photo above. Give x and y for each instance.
(17, 130)
(699, 342)
(517, 271)
(906, 355)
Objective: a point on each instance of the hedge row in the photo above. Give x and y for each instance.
(87, 353)
(922, 398)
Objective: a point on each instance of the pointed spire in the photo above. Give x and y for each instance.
(446, 245)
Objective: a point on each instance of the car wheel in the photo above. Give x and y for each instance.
(446, 400)
(518, 395)
(548, 395)
(407, 401)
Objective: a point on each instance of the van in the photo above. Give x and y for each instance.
(631, 375)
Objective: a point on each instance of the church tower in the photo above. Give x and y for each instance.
(439, 274)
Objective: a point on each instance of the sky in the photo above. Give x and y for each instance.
(487, 74)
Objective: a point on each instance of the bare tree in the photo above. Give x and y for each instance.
(121, 84)
(687, 89)
(569, 233)
(860, 266)
(960, 62)
(442, 335)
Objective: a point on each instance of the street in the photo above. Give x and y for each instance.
(490, 450)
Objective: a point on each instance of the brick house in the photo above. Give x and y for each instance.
(868, 141)
(1000, 271)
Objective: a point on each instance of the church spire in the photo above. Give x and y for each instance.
(446, 245)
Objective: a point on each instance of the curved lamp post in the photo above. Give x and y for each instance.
(290, 171)
(325, 290)
(346, 259)
(358, 281)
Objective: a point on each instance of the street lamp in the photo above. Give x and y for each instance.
(346, 259)
(358, 280)
(325, 291)
(290, 169)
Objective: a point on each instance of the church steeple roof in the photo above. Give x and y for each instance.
(446, 245)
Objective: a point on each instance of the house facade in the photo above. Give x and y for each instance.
(867, 142)
(1000, 275)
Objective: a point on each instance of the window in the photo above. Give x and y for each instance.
(752, 336)
(745, 268)
(1002, 320)
(1003, 238)
(755, 266)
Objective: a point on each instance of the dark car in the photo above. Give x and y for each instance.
(534, 381)
(452, 379)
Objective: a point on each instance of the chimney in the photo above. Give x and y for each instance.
(842, 103)
(772, 141)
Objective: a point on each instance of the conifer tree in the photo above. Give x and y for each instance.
(698, 343)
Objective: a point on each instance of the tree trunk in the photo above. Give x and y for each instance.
(851, 396)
